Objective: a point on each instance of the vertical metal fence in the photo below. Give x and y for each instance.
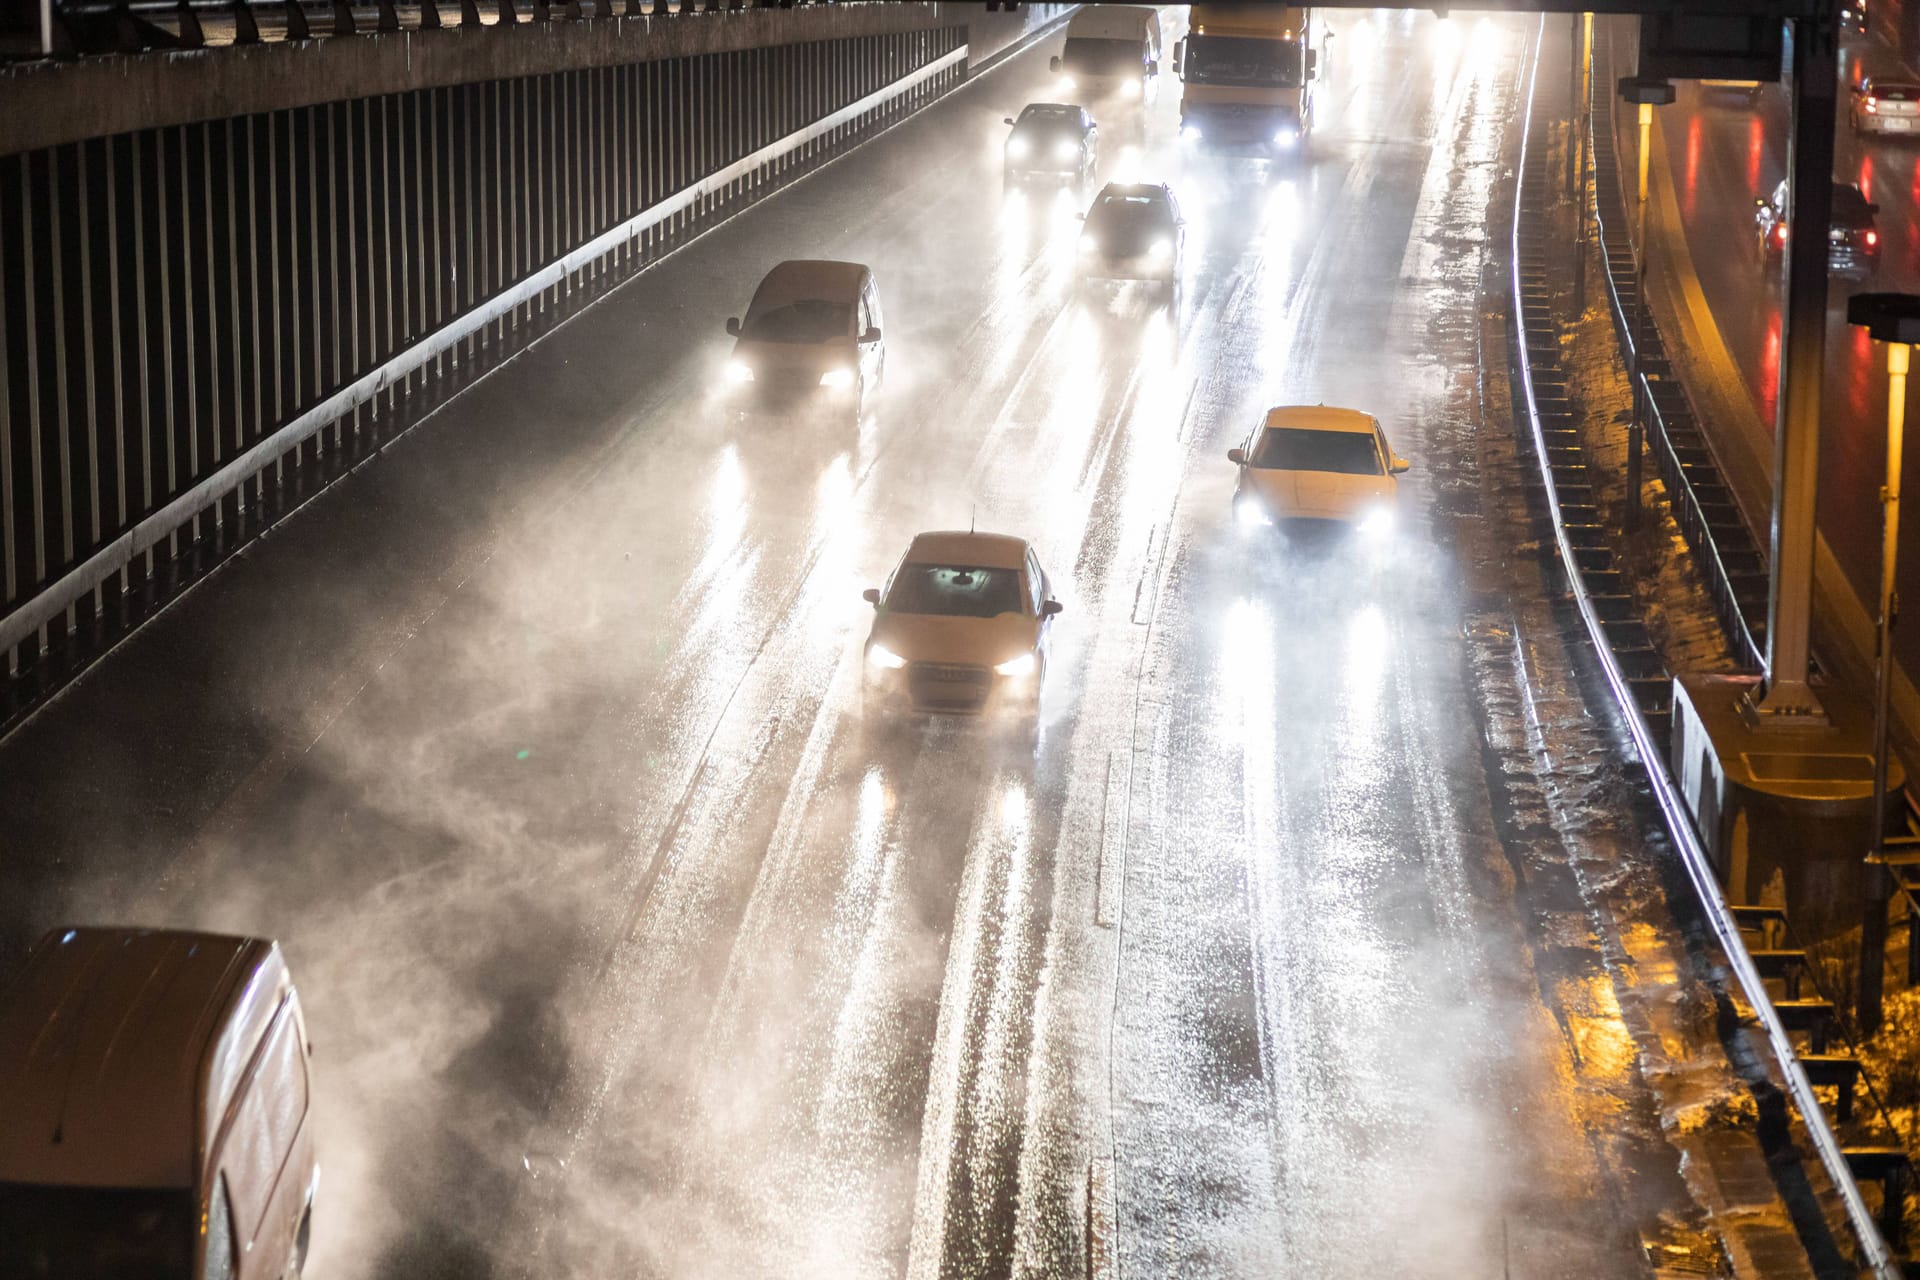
(172, 298)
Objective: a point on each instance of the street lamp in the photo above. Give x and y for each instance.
(1648, 93)
(1892, 318)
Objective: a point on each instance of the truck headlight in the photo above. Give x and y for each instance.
(884, 659)
(1018, 668)
(837, 378)
(739, 371)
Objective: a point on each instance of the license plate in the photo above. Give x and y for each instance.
(1837, 237)
(1895, 125)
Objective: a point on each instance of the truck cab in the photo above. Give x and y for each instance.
(1247, 73)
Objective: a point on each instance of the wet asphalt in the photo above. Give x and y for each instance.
(628, 949)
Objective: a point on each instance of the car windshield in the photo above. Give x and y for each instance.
(1095, 57)
(1349, 453)
(1242, 60)
(84, 1233)
(810, 320)
(955, 591)
(1130, 219)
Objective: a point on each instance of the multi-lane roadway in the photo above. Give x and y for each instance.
(627, 951)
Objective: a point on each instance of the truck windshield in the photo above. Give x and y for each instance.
(1242, 60)
(1088, 56)
(88, 1233)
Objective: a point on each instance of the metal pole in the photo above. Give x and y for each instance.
(1788, 699)
(1581, 143)
(1636, 428)
(1873, 920)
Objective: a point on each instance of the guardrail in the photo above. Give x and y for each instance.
(1703, 504)
(1679, 824)
(72, 28)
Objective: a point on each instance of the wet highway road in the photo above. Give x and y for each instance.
(627, 950)
(1722, 154)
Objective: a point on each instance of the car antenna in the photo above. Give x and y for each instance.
(973, 510)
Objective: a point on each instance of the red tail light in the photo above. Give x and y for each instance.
(1873, 106)
(1780, 233)
(1873, 238)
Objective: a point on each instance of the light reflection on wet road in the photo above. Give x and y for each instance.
(628, 950)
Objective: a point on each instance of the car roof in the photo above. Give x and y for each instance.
(809, 279)
(1051, 113)
(1126, 189)
(112, 1042)
(1318, 417)
(982, 550)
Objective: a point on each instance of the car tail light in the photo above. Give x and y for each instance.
(1873, 106)
(1873, 238)
(1780, 233)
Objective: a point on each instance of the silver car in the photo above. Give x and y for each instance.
(1886, 107)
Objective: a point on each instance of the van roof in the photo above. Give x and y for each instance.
(980, 550)
(808, 279)
(1317, 417)
(1111, 21)
(112, 1043)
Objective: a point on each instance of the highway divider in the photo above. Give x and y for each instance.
(1532, 331)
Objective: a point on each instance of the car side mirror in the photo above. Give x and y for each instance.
(1006, 119)
(1400, 466)
(1238, 457)
(1050, 608)
(733, 326)
(1153, 66)
(1080, 216)
(1179, 51)
(1053, 63)
(871, 335)
(871, 595)
(1759, 203)
(1313, 61)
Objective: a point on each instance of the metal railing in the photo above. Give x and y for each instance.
(1679, 824)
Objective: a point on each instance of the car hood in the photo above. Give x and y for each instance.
(927, 637)
(1324, 495)
(794, 357)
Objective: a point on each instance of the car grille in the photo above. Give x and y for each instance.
(946, 686)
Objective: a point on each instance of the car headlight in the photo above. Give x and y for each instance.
(1064, 150)
(1067, 84)
(1132, 89)
(1377, 523)
(878, 655)
(1087, 242)
(1250, 515)
(1287, 137)
(1160, 250)
(837, 378)
(739, 371)
(1016, 668)
(1017, 148)
(1189, 133)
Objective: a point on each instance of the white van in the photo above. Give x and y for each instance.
(1112, 51)
(156, 1122)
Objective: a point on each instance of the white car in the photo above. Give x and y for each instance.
(1886, 107)
(962, 627)
(1133, 231)
(1315, 463)
(811, 340)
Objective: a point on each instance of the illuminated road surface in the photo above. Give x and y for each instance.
(1723, 154)
(627, 952)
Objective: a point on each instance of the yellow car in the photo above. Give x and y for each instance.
(962, 627)
(1314, 463)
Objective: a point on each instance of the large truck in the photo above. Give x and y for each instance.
(1247, 73)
